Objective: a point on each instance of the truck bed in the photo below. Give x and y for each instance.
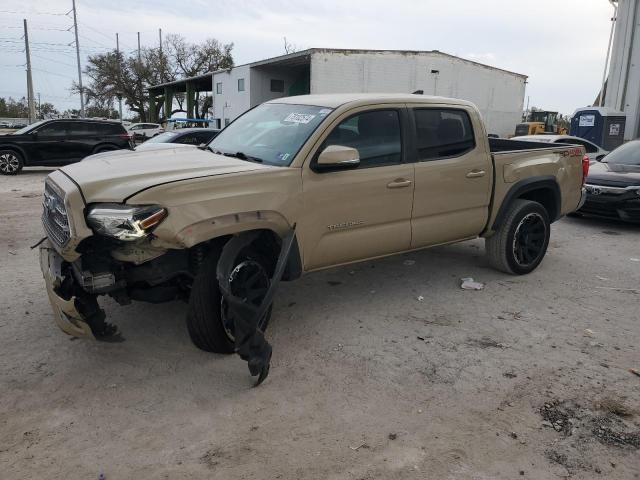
(498, 145)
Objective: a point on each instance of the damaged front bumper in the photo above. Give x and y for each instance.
(65, 310)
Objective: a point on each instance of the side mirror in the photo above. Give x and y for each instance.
(338, 157)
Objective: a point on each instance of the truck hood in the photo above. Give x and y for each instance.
(114, 178)
(614, 174)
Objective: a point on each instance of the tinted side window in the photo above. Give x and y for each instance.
(442, 133)
(76, 129)
(204, 137)
(55, 129)
(587, 146)
(106, 129)
(376, 136)
(190, 139)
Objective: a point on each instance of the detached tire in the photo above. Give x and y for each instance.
(209, 328)
(521, 242)
(11, 162)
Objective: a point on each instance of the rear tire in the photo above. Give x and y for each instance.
(205, 317)
(11, 162)
(519, 245)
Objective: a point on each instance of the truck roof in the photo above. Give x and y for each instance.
(333, 100)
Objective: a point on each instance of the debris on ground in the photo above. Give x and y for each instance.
(604, 279)
(509, 375)
(469, 283)
(485, 342)
(635, 372)
(617, 407)
(363, 446)
(611, 431)
(588, 332)
(408, 263)
(560, 415)
(635, 259)
(393, 436)
(334, 283)
(420, 298)
(620, 289)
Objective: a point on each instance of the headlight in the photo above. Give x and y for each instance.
(124, 222)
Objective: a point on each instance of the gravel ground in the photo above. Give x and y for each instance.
(367, 380)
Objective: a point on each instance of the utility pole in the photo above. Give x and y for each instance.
(161, 61)
(75, 28)
(139, 59)
(606, 62)
(119, 78)
(32, 110)
(39, 107)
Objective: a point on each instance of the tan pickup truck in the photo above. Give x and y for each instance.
(357, 177)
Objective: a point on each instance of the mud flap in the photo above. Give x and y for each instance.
(250, 343)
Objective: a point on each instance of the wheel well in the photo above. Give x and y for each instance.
(267, 244)
(546, 198)
(16, 150)
(543, 189)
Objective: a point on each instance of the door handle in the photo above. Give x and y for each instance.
(475, 173)
(399, 183)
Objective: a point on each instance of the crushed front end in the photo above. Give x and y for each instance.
(105, 249)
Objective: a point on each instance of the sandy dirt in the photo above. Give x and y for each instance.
(367, 381)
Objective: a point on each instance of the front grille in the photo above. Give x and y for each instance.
(54, 216)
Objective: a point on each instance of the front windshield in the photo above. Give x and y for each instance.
(165, 137)
(28, 128)
(627, 154)
(271, 133)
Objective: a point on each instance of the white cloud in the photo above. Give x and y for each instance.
(559, 45)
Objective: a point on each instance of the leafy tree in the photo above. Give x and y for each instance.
(47, 110)
(14, 108)
(113, 75)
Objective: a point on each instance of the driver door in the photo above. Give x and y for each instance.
(363, 212)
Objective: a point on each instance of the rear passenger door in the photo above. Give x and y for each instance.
(363, 212)
(453, 175)
(82, 138)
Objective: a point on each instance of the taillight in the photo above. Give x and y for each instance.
(585, 169)
(125, 136)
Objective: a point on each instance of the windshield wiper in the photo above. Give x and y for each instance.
(243, 156)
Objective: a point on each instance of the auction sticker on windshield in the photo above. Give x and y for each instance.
(299, 118)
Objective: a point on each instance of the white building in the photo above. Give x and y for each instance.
(623, 84)
(499, 94)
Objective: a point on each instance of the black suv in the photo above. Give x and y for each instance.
(59, 142)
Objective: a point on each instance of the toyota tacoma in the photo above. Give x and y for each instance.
(355, 176)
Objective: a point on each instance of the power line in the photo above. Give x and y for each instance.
(52, 73)
(57, 62)
(33, 13)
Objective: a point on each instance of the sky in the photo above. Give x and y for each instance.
(560, 44)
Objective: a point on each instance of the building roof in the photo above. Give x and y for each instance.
(204, 81)
(334, 100)
(201, 82)
(301, 56)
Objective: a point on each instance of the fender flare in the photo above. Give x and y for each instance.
(522, 187)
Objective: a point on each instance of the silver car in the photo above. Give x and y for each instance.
(594, 152)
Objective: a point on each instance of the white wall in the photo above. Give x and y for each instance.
(231, 102)
(499, 95)
(261, 83)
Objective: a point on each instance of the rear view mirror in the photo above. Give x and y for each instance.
(338, 157)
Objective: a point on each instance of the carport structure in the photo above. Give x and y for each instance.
(161, 96)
